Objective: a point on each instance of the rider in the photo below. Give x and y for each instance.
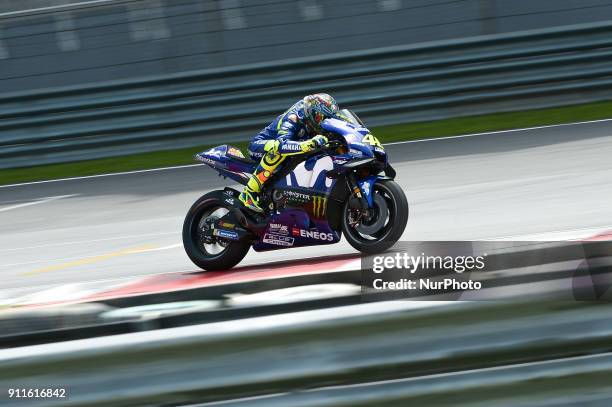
(297, 131)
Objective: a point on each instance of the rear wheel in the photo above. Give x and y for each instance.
(205, 251)
(380, 227)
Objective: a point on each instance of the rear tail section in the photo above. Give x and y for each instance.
(229, 162)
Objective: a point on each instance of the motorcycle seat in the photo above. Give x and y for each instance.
(246, 161)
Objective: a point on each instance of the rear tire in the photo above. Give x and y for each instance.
(232, 252)
(393, 228)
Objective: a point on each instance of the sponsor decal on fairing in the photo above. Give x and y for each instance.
(279, 228)
(278, 240)
(234, 152)
(206, 160)
(299, 196)
(307, 178)
(319, 203)
(312, 234)
(226, 234)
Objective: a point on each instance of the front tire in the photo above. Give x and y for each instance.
(384, 227)
(204, 254)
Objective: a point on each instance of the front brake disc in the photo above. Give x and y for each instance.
(380, 205)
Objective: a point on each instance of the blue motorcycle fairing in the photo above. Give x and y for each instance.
(366, 184)
(306, 190)
(228, 161)
(343, 127)
(360, 142)
(311, 174)
(295, 228)
(352, 134)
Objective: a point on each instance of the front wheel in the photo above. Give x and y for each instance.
(206, 252)
(380, 227)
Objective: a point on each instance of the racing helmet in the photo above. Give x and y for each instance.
(317, 108)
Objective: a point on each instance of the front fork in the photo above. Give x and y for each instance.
(361, 191)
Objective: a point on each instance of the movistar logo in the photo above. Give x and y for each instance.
(319, 203)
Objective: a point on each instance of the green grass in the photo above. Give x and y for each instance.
(410, 131)
(494, 122)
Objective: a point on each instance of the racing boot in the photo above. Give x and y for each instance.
(275, 154)
(269, 162)
(250, 200)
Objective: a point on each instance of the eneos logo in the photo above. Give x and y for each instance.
(312, 234)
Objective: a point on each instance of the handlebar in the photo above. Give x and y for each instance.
(334, 144)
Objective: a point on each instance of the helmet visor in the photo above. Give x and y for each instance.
(318, 118)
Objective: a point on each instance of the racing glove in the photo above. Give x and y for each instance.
(317, 141)
(290, 147)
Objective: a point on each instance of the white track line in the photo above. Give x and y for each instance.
(556, 235)
(386, 144)
(90, 241)
(497, 132)
(101, 175)
(36, 202)
(172, 246)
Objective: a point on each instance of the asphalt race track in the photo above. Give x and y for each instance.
(510, 184)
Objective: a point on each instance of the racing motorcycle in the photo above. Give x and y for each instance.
(313, 200)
